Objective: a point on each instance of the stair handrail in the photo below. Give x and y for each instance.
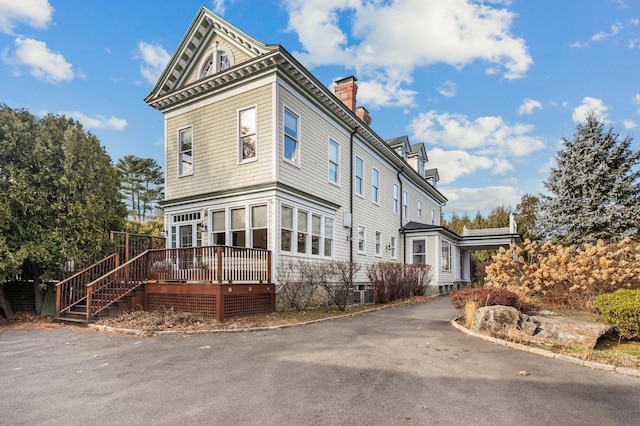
(125, 277)
(72, 290)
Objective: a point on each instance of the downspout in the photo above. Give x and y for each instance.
(351, 179)
(401, 211)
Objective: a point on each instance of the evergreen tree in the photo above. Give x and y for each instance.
(141, 187)
(59, 197)
(594, 191)
(526, 215)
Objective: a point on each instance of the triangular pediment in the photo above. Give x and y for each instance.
(208, 36)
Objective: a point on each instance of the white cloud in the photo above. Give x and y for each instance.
(484, 199)
(589, 104)
(97, 122)
(154, 58)
(377, 43)
(636, 100)
(35, 13)
(455, 164)
(218, 6)
(448, 89)
(629, 124)
(528, 106)
(615, 29)
(42, 63)
(384, 92)
(486, 135)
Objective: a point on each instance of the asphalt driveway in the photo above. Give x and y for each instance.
(395, 367)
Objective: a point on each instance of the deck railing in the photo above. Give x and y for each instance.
(215, 264)
(74, 289)
(102, 284)
(112, 286)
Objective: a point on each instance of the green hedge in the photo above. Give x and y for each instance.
(621, 310)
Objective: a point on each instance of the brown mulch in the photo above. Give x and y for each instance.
(28, 320)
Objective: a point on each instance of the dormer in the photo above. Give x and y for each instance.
(401, 146)
(417, 158)
(431, 175)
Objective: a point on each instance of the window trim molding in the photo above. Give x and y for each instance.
(355, 177)
(396, 199)
(378, 243)
(255, 156)
(329, 162)
(179, 148)
(375, 186)
(364, 239)
(298, 149)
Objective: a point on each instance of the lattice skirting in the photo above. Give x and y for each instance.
(204, 305)
(235, 305)
(239, 305)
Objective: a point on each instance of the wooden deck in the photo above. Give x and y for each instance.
(214, 281)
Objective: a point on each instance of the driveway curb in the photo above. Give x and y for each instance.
(548, 354)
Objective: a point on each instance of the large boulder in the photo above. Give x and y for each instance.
(503, 322)
(545, 328)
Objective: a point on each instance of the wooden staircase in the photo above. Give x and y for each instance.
(105, 289)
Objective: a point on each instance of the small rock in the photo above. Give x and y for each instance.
(523, 373)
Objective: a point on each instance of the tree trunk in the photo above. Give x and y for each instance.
(38, 293)
(4, 303)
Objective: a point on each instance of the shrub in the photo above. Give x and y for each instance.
(567, 277)
(483, 296)
(621, 310)
(392, 281)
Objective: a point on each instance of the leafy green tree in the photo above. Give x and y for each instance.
(594, 193)
(59, 197)
(142, 186)
(526, 216)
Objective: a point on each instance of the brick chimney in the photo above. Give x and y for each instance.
(345, 90)
(363, 115)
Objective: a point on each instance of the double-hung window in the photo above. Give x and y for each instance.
(405, 204)
(303, 231)
(378, 243)
(219, 227)
(291, 137)
(185, 151)
(396, 192)
(316, 234)
(362, 240)
(286, 229)
(238, 230)
(419, 251)
(419, 208)
(334, 162)
(328, 237)
(392, 247)
(259, 227)
(375, 186)
(247, 134)
(359, 176)
(446, 256)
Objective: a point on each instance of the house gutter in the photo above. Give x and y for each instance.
(401, 211)
(351, 179)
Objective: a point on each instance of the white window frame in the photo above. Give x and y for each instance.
(422, 254)
(419, 208)
(215, 230)
(328, 237)
(296, 140)
(303, 232)
(362, 239)
(331, 161)
(241, 138)
(392, 247)
(396, 198)
(215, 55)
(378, 244)
(405, 204)
(181, 153)
(358, 178)
(316, 234)
(445, 263)
(253, 227)
(375, 185)
(291, 230)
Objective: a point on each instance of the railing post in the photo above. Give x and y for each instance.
(269, 267)
(89, 294)
(58, 300)
(219, 261)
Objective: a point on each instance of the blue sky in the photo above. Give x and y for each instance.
(490, 87)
